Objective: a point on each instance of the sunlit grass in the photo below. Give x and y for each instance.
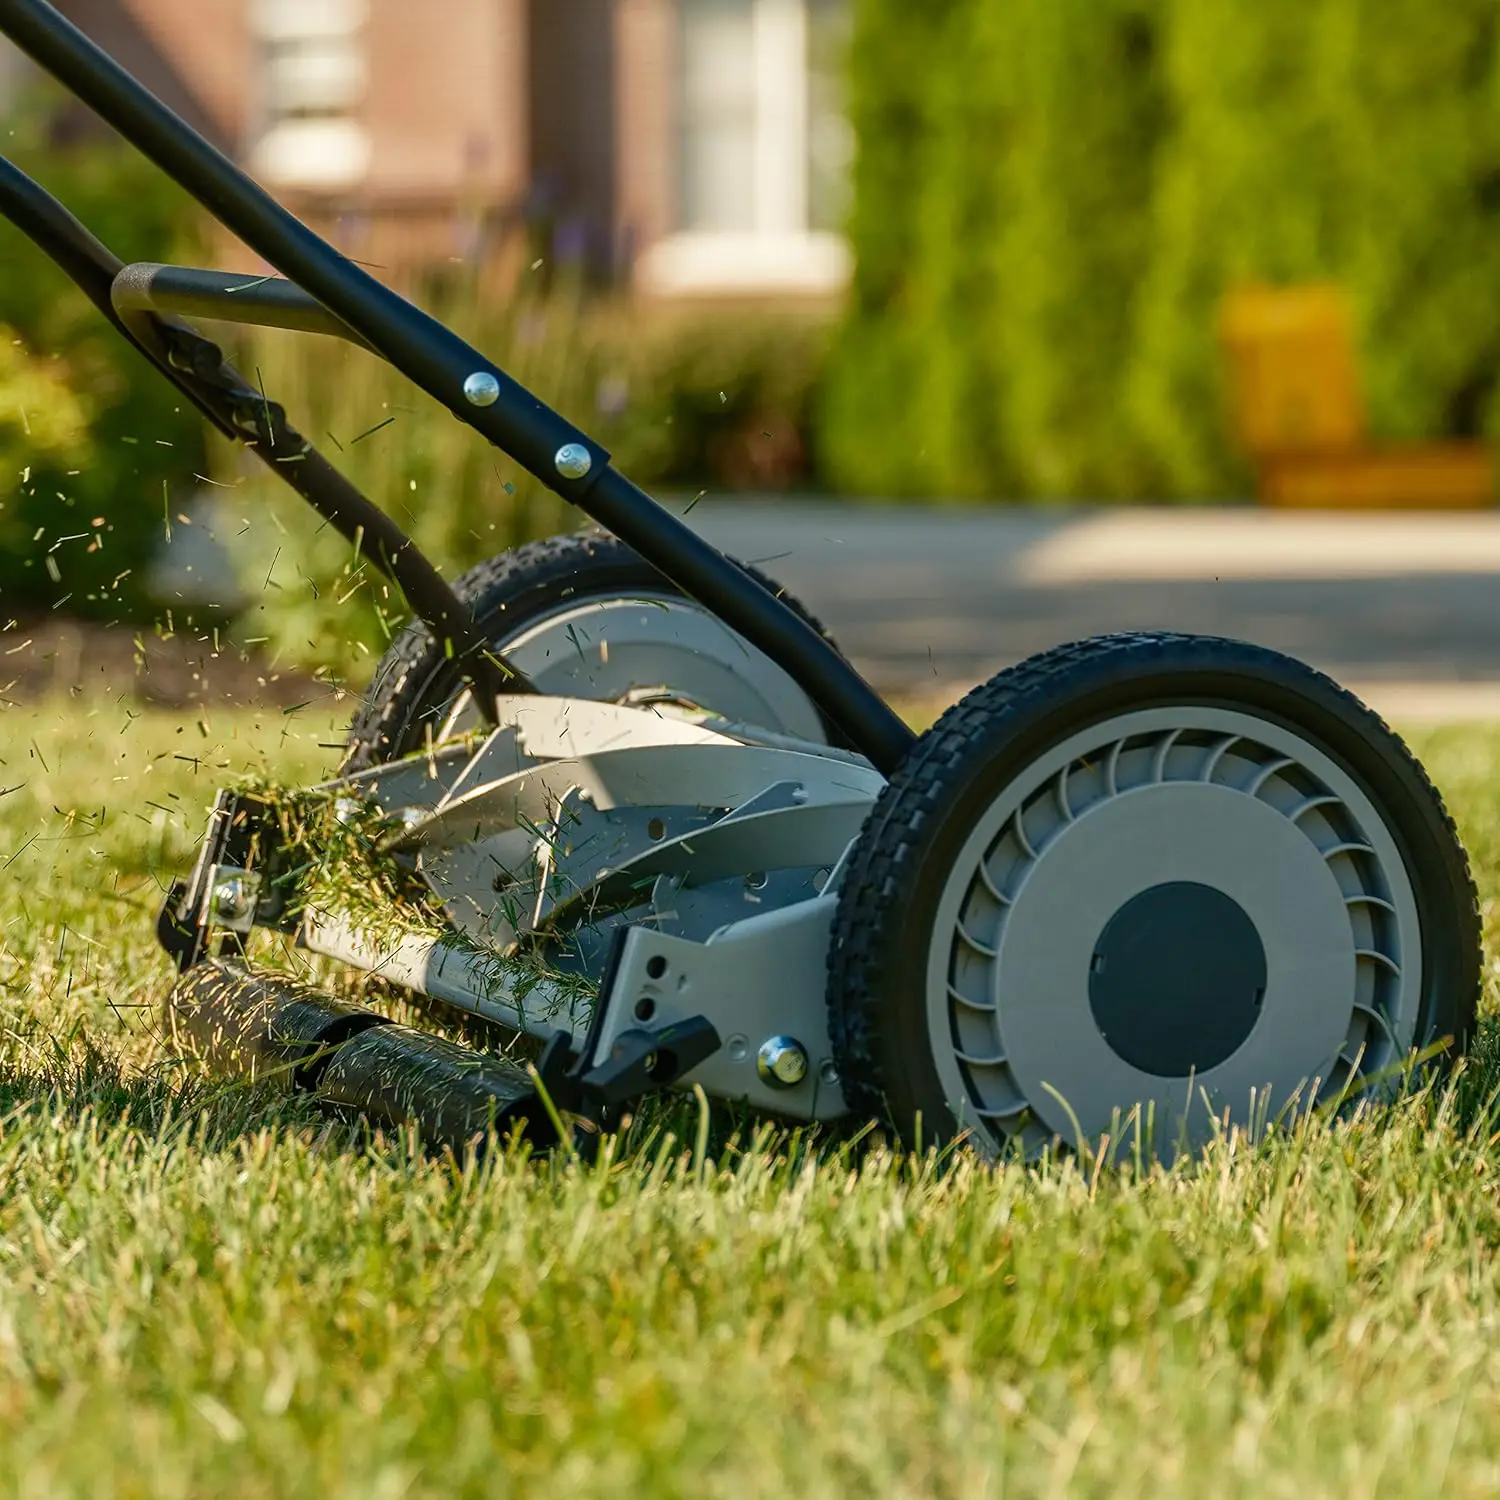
(205, 1290)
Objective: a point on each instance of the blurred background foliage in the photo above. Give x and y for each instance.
(1050, 199)
(95, 450)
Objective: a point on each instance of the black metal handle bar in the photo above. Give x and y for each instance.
(448, 369)
(227, 296)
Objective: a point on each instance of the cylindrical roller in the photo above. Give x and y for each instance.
(262, 1026)
(395, 1074)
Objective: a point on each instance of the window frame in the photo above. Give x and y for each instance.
(782, 252)
(329, 143)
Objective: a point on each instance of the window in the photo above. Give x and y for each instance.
(312, 81)
(762, 147)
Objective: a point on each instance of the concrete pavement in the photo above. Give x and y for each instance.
(1404, 608)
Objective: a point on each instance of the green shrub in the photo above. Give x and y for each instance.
(718, 398)
(1051, 197)
(94, 446)
(888, 414)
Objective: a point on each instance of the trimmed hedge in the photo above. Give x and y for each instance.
(1051, 196)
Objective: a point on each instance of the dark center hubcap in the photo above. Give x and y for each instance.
(1177, 979)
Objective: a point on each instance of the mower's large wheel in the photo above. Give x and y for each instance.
(1174, 873)
(583, 616)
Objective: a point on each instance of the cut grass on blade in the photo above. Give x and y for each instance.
(207, 1289)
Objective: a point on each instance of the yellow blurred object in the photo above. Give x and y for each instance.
(1299, 413)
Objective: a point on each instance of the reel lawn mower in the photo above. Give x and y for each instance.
(622, 794)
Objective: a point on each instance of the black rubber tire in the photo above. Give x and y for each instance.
(899, 865)
(415, 679)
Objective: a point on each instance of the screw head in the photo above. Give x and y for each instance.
(573, 461)
(234, 898)
(481, 389)
(782, 1061)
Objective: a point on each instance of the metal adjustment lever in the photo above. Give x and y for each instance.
(638, 1062)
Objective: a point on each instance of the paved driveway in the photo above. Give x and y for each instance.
(1405, 608)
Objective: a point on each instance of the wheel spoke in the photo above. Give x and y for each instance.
(1164, 749)
(984, 1007)
(997, 1061)
(1266, 772)
(1112, 769)
(1348, 846)
(991, 889)
(1216, 755)
(1020, 824)
(1063, 805)
(1017, 1111)
(982, 949)
(1326, 799)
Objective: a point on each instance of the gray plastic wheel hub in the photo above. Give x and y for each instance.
(1179, 920)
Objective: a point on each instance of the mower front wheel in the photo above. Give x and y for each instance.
(1150, 887)
(582, 616)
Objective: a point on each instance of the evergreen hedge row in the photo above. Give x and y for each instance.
(1051, 196)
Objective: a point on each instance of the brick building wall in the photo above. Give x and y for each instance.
(478, 122)
(645, 141)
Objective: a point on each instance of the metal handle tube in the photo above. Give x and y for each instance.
(440, 362)
(226, 297)
(86, 260)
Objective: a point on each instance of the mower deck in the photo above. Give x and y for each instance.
(583, 869)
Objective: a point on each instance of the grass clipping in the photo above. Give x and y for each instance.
(328, 859)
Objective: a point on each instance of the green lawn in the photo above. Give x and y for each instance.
(206, 1292)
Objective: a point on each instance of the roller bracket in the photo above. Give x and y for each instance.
(638, 1062)
(241, 839)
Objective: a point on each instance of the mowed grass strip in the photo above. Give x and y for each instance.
(208, 1290)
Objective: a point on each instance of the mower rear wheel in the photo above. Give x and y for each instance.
(1147, 886)
(583, 616)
